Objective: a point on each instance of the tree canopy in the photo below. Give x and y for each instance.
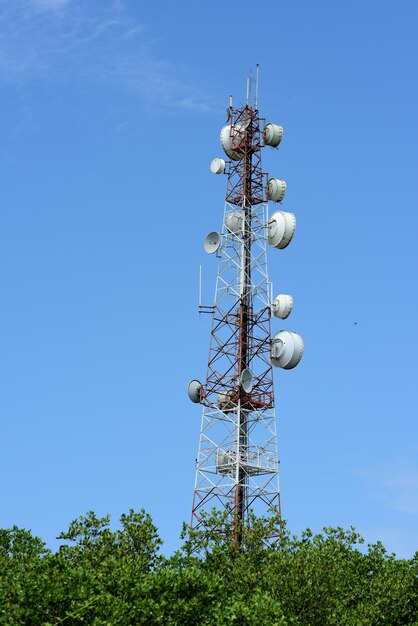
(103, 577)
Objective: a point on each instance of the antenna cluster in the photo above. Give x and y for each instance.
(237, 464)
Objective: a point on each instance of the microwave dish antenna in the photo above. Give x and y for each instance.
(212, 242)
(234, 221)
(217, 166)
(281, 228)
(276, 189)
(194, 390)
(286, 349)
(282, 306)
(272, 135)
(231, 139)
(246, 381)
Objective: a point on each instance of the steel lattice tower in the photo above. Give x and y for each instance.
(237, 463)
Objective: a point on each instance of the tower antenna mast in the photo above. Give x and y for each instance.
(237, 463)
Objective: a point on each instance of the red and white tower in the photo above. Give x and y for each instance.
(237, 467)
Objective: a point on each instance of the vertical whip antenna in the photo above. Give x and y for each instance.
(200, 288)
(256, 87)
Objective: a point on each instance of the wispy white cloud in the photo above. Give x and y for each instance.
(100, 42)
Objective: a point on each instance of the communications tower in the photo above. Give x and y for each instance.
(237, 467)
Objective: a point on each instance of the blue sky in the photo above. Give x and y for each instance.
(110, 114)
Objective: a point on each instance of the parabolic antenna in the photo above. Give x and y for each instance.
(217, 166)
(233, 222)
(281, 228)
(276, 189)
(212, 242)
(231, 137)
(282, 306)
(193, 391)
(272, 135)
(246, 381)
(286, 349)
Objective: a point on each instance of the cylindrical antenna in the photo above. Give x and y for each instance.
(256, 87)
(200, 287)
(230, 102)
(248, 89)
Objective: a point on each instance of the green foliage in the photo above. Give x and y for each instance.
(103, 577)
(23, 577)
